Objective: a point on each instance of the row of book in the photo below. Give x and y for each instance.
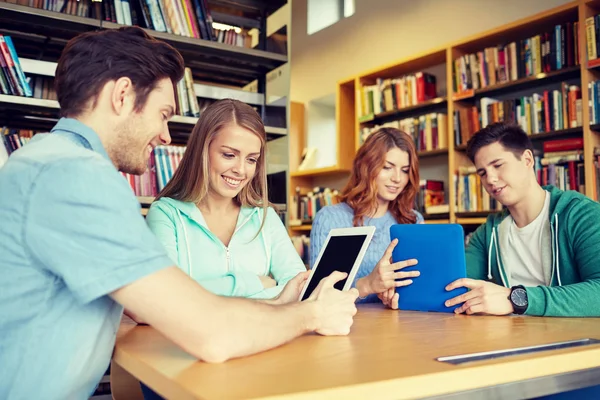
(594, 101)
(431, 198)
(546, 52)
(191, 18)
(12, 140)
(592, 34)
(161, 167)
(548, 111)
(397, 93)
(12, 78)
(304, 204)
(429, 131)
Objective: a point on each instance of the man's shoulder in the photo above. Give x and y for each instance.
(49, 151)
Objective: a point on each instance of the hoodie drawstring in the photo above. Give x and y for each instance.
(187, 247)
(556, 255)
(490, 255)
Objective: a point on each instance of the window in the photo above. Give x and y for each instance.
(323, 13)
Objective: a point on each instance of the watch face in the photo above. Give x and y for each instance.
(519, 297)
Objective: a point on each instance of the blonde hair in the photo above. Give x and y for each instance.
(190, 183)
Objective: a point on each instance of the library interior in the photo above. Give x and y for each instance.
(299, 199)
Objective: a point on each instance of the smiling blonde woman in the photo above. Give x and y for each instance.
(214, 218)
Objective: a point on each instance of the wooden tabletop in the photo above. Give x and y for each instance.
(388, 354)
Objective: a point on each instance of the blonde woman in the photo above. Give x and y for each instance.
(213, 216)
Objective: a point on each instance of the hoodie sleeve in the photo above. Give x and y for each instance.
(577, 299)
(476, 255)
(162, 225)
(285, 262)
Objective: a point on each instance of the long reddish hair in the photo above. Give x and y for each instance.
(360, 192)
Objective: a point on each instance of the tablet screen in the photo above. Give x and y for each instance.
(339, 255)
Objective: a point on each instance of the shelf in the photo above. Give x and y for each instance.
(520, 84)
(436, 217)
(437, 221)
(563, 133)
(301, 228)
(595, 127)
(145, 200)
(181, 126)
(471, 221)
(475, 214)
(432, 153)
(319, 172)
(210, 61)
(393, 115)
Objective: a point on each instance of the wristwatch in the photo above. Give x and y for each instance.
(518, 299)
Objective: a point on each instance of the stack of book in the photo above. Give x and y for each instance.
(12, 78)
(305, 205)
(429, 131)
(546, 52)
(397, 93)
(551, 110)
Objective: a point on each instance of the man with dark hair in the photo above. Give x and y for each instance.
(539, 256)
(75, 249)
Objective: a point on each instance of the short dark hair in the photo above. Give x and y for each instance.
(510, 136)
(92, 59)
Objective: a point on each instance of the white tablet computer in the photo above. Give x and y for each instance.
(342, 251)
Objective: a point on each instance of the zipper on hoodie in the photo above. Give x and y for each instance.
(227, 256)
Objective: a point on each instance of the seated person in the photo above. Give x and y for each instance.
(380, 192)
(213, 217)
(541, 255)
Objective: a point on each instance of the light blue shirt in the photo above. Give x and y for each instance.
(71, 232)
(341, 216)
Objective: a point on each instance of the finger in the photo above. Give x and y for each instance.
(394, 303)
(404, 282)
(403, 264)
(407, 274)
(463, 298)
(477, 308)
(353, 293)
(390, 249)
(464, 282)
(333, 278)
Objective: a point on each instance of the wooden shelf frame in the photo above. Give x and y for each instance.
(570, 12)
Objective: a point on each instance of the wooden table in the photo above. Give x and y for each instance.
(387, 355)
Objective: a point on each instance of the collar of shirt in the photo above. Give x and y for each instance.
(88, 137)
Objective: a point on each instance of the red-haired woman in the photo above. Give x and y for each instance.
(380, 192)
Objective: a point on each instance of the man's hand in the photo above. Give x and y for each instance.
(384, 275)
(267, 281)
(482, 298)
(334, 309)
(291, 291)
(389, 298)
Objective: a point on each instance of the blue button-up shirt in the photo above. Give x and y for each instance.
(71, 232)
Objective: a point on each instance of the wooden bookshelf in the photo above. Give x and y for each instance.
(575, 11)
(219, 70)
(301, 228)
(210, 61)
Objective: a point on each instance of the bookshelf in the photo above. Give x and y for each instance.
(440, 62)
(219, 70)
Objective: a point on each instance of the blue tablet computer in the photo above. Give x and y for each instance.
(440, 250)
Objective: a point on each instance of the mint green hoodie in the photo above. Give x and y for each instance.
(574, 290)
(232, 270)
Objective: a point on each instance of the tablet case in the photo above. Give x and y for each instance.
(440, 250)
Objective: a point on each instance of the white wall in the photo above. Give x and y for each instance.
(383, 31)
